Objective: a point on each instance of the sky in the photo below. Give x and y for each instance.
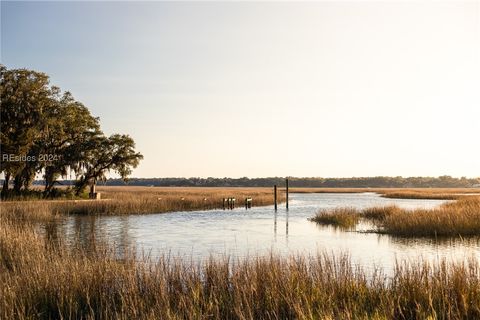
(257, 89)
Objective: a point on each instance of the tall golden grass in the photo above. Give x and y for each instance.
(345, 218)
(141, 200)
(43, 281)
(443, 195)
(459, 218)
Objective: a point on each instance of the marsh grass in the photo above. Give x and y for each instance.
(40, 281)
(142, 200)
(345, 218)
(401, 193)
(459, 218)
(425, 195)
(379, 213)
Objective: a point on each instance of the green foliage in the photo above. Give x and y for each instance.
(25, 95)
(101, 155)
(53, 134)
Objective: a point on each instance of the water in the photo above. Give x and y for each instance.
(258, 231)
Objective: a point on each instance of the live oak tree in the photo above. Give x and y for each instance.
(70, 128)
(102, 155)
(24, 96)
(52, 134)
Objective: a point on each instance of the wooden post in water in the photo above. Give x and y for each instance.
(275, 196)
(248, 203)
(286, 185)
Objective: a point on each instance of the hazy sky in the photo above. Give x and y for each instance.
(264, 89)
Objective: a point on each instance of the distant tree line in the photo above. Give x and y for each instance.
(46, 131)
(366, 182)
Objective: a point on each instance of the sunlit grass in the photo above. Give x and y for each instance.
(345, 218)
(43, 281)
(442, 195)
(459, 218)
(400, 193)
(141, 200)
(379, 213)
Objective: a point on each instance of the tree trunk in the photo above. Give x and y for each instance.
(80, 186)
(93, 192)
(49, 182)
(4, 192)
(17, 183)
(48, 189)
(28, 178)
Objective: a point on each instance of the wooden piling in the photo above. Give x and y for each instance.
(248, 203)
(275, 196)
(286, 185)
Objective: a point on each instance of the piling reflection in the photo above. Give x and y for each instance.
(275, 225)
(286, 226)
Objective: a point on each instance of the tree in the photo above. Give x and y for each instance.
(51, 133)
(24, 96)
(70, 127)
(101, 155)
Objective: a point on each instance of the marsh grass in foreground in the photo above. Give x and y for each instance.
(459, 218)
(41, 281)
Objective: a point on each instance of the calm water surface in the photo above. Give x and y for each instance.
(259, 231)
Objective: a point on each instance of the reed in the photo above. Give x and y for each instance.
(41, 281)
(459, 218)
(423, 195)
(378, 214)
(345, 218)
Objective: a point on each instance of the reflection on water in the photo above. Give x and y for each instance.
(91, 232)
(259, 231)
(435, 244)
